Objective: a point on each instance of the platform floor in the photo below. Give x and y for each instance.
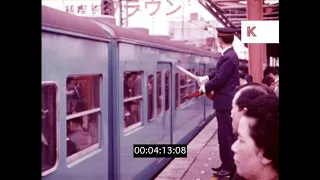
(203, 154)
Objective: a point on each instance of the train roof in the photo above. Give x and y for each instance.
(64, 21)
(128, 34)
(84, 25)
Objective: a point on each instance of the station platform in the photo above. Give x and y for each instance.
(203, 154)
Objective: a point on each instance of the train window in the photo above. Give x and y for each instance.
(189, 80)
(159, 92)
(83, 114)
(150, 97)
(167, 86)
(49, 127)
(82, 93)
(183, 79)
(177, 90)
(132, 89)
(186, 86)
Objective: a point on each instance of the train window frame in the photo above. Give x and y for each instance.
(82, 154)
(55, 166)
(186, 86)
(139, 97)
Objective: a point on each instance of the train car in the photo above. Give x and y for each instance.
(106, 88)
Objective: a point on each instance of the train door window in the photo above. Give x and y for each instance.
(49, 128)
(186, 86)
(177, 90)
(167, 86)
(150, 97)
(159, 109)
(83, 114)
(132, 103)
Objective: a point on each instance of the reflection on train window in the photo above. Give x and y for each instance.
(49, 125)
(187, 86)
(83, 114)
(159, 92)
(167, 88)
(132, 89)
(150, 97)
(177, 90)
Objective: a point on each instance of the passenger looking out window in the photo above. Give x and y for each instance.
(132, 94)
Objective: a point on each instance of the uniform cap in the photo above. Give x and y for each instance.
(226, 31)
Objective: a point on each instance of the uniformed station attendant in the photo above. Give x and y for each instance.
(223, 82)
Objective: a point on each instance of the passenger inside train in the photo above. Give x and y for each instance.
(132, 89)
(82, 97)
(81, 138)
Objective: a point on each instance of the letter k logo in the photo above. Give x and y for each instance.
(250, 31)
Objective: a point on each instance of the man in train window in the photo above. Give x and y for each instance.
(223, 82)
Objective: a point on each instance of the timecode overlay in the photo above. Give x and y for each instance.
(159, 150)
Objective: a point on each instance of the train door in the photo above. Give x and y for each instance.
(164, 97)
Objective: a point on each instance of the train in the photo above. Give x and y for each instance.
(106, 88)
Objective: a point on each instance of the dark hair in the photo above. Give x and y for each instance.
(270, 69)
(69, 79)
(265, 130)
(242, 75)
(247, 95)
(227, 39)
(267, 80)
(249, 79)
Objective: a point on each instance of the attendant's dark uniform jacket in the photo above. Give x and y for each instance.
(224, 80)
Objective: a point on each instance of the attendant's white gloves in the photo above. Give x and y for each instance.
(202, 80)
(202, 89)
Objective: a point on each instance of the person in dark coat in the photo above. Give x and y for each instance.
(223, 81)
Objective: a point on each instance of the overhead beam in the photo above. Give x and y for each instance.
(245, 19)
(245, 15)
(245, 6)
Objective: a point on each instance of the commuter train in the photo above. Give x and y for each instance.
(106, 88)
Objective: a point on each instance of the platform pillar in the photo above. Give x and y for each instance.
(257, 52)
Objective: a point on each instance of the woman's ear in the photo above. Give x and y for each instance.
(264, 160)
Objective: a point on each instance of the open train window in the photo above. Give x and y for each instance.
(150, 97)
(187, 86)
(132, 103)
(49, 128)
(167, 88)
(159, 97)
(83, 114)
